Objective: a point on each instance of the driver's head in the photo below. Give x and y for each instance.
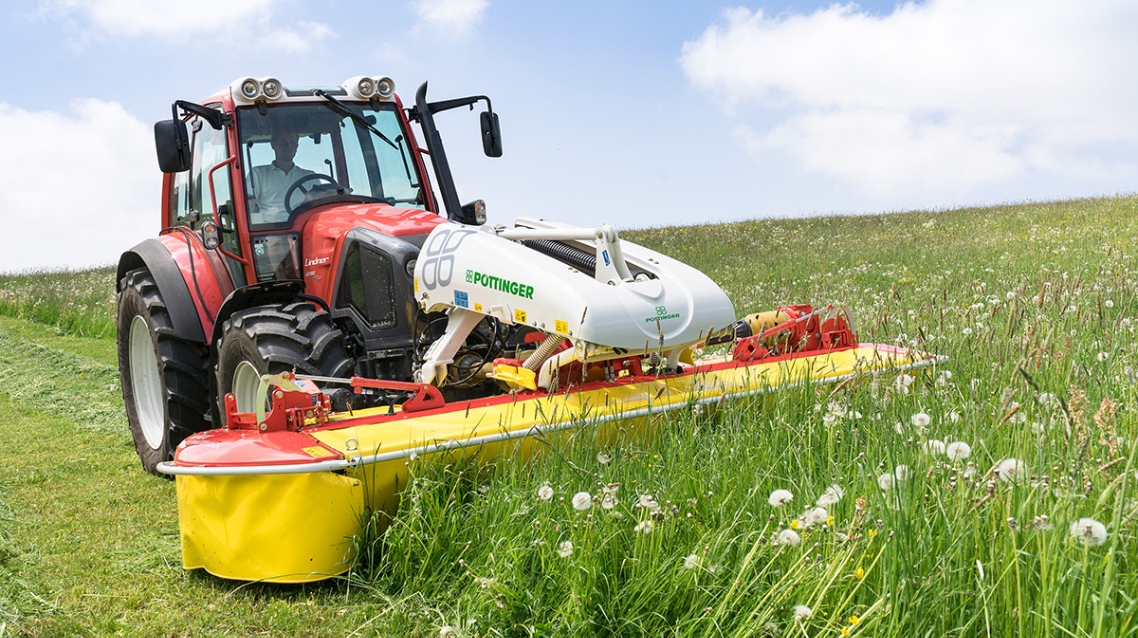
(283, 142)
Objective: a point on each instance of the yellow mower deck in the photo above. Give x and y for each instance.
(294, 522)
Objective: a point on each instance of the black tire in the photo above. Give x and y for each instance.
(164, 378)
(295, 337)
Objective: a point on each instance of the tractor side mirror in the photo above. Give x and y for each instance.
(173, 144)
(491, 134)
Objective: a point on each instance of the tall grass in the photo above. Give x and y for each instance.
(1035, 306)
(80, 303)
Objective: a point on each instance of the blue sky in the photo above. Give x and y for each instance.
(631, 113)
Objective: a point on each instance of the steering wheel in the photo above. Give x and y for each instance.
(296, 186)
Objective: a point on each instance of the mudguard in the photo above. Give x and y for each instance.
(154, 255)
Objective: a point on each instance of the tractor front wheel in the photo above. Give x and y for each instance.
(163, 377)
(273, 338)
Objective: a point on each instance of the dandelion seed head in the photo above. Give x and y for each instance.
(1103, 356)
(832, 495)
(648, 502)
(920, 420)
(958, 451)
(1010, 470)
(901, 472)
(691, 561)
(603, 459)
(565, 549)
(582, 501)
(1089, 531)
(788, 537)
(446, 631)
(644, 527)
(885, 481)
(545, 492)
(778, 498)
(815, 516)
(802, 612)
(902, 383)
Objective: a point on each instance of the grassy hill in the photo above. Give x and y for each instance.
(1034, 304)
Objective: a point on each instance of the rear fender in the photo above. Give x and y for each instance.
(184, 310)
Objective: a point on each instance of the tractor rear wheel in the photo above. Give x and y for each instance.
(163, 377)
(294, 337)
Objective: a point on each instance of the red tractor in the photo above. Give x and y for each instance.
(292, 219)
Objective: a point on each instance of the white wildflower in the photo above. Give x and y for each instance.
(644, 527)
(901, 472)
(446, 631)
(954, 417)
(648, 502)
(1103, 356)
(969, 470)
(885, 481)
(691, 561)
(903, 382)
(958, 451)
(582, 501)
(545, 492)
(815, 516)
(802, 612)
(788, 537)
(920, 420)
(485, 583)
(1108, 303)
(778, 498)
(611, 488)
(603, 459)
(565, 549)
(832, 495)
(608, 501)
(1010, 470)
(1089, 531)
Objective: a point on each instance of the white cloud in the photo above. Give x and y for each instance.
(79, 186)
(451, 17)
(947, 94)
(248, 22)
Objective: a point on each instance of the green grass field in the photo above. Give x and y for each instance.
(993, 496)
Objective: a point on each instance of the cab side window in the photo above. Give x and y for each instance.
(191, 203)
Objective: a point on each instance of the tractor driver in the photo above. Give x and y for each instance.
(272, 181)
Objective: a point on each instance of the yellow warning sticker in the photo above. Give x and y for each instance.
(560, 326)
(416, 284)
(317, 452)
(519, 315)
(477, 307)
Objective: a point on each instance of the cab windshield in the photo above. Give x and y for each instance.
(296, 156)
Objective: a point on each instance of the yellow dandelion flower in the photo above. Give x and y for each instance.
(854, 620)
(845, 631)
(859, 574)
(871, 533)
(830, 521)
(794, 524)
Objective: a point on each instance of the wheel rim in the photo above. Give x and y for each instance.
(146, 383)
(246, 382)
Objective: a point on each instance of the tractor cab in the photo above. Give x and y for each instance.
(297, 157)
